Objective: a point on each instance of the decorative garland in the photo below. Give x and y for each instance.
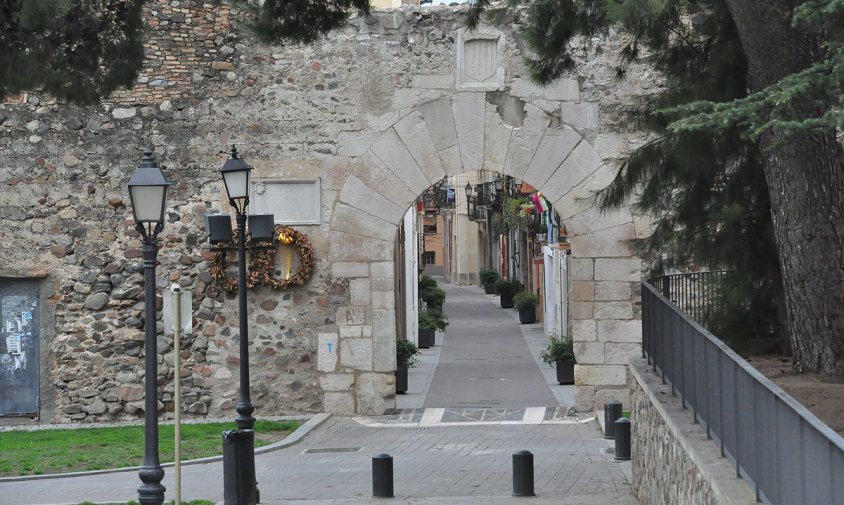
(261, 262)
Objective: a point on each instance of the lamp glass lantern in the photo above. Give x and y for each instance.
(236, 177)
(148, 191)
(468, 190)
(499, 183)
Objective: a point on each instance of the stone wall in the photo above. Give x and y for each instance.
(377, 113)
(673, 461)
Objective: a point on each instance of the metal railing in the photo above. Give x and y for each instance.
(697, 294)
(785, 453)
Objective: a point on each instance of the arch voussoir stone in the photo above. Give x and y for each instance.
(524, 141)
(414, 133)
(577, 167)
(355, 221)
(469, 121)
(375, 174)
(553, 149)
(497, 137)
(390, 149)
(357, 194)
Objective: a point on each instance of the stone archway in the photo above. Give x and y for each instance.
(439, 133)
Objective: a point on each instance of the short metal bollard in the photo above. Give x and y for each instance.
(382, 476)
(612, 411)
(523, 473)
(239, 484)
(622, 439)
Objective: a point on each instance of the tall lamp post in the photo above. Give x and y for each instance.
(240, 486)
(148, 194)
(236, 178)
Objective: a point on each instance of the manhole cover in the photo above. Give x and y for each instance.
(323, 450)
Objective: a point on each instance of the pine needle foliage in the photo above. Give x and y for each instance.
(75, 50)
(298, 21)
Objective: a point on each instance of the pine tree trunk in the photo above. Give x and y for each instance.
(806, 184)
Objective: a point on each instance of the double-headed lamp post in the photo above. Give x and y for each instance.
(236, 178)
(148, 193)
(240, 486)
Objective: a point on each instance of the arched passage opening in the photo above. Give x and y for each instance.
(451, 134)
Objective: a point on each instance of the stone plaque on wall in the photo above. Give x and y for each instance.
(289, 201)
(480, 55)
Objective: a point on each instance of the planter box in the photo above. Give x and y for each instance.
(401, 379)
(506, 301)
(527, 315)
(565, 372)
(489, 288)
(426, 338)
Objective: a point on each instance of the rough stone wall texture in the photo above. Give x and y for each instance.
(373, 111)
(673, 463)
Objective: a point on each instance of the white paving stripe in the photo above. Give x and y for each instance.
(534, 415)
(431, 416)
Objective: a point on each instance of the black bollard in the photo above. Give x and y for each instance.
(523, 473)
(382, 476)
(612, 411)
(622, 439)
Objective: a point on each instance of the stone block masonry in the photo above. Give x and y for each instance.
(373, 112)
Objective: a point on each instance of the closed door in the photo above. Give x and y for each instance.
(19, 347)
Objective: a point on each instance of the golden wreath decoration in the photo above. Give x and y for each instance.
(261, 262)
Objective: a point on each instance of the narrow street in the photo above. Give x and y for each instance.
(485, 361)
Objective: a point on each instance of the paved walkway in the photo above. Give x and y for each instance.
(455, 367)
(454, 452)
(485, 361)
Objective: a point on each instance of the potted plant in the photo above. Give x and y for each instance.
(488, 279)
(426, 282)
(430, 320)
(434, 297)
(406, 352)
(506, 289)
(526, 303)
(560, 352)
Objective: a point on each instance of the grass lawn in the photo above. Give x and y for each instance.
(70, 450)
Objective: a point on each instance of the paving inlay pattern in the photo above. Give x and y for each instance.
(434, 417)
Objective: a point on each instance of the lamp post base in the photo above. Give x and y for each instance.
(240, 486)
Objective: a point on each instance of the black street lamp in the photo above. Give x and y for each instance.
(499, 183)
(148, 194)
(468, 190)
(240, 486)
(236, 178)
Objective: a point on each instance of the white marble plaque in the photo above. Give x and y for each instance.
(289, 201)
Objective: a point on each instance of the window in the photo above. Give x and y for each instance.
(429, 258)
(429, 226)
